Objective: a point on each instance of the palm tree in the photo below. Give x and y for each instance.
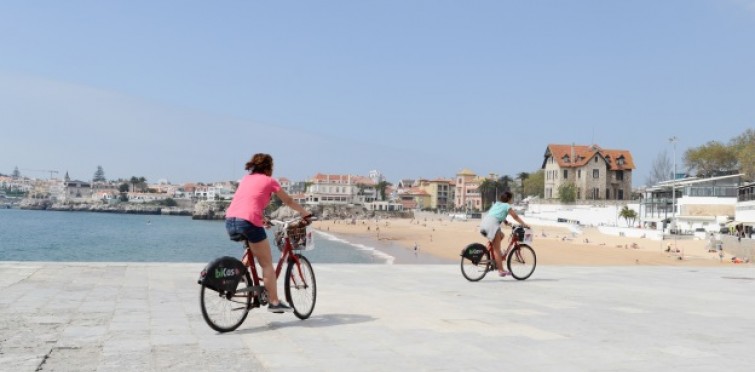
(628, 214)
(522, 176)
(487, 191)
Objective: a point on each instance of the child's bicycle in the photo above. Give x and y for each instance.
(476, 259)
(229, 288)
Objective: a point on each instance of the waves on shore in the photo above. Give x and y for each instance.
(361, 247)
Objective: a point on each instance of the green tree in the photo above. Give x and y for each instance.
(567, 192)
(380, 187)
(504, 183)
(99, 175)
(169, 202)
(521, 177)
(16, 173)
(138, 184)
(534, 185)
(628, 214)
(744, 150)
(123, 188)
(711, 159)
(487, 190)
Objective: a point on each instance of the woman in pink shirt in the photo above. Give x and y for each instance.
(245, 216)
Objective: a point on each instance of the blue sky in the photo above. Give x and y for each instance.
(189, 90)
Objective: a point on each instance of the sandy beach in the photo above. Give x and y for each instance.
(439, 236)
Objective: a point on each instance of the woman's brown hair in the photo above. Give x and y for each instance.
(260, 163)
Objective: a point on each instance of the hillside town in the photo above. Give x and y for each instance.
(595, 178)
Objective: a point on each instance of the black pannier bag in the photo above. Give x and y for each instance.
(474, 252)
(223, 274)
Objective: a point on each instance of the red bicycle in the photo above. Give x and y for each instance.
(230, 288)
(519, 256)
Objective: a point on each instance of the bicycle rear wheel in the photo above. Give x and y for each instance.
(521, 261)
(225, 312)
(475, 271)
(301, 287)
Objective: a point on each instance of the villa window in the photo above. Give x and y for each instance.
(596, 173)
(566, 173)
(620, 196)
(596, 159)
(620, 160)
(608, 194)
(596, 193)
(579, 193)
(579, 173)
(620, 175)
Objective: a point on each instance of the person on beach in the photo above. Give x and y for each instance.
(246, 216)
(490, 227)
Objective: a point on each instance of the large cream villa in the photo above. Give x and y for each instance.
(597, 173)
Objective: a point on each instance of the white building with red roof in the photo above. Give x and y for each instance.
(340, 189)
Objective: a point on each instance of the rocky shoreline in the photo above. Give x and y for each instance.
(205, 210)
(122, 208)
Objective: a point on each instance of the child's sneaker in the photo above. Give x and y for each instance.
(503, 273)
(279, 308)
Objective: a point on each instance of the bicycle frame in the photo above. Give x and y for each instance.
(286, 255)
(513, 242)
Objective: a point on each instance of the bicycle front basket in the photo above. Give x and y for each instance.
(519, 232)
(298, 237)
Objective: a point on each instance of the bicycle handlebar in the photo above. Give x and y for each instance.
(286, 223)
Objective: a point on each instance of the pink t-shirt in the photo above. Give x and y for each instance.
(252, 197)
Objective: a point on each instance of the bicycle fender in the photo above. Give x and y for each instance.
(222, 274)
(474, 252)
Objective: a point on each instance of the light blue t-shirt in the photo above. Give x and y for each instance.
(499, 210)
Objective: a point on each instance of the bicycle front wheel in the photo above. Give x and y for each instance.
(301, 287)
(475, 271)
(521, 262)
(225, 312)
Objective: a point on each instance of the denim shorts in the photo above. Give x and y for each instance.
(238, 226)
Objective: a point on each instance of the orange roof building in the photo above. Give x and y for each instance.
(597, 173)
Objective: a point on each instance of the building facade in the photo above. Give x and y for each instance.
(596, 173)
(745, 207)
(441, 193)
(466, 191)
(698, 203)
(340, 189)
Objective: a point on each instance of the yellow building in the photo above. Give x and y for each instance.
(441, 193)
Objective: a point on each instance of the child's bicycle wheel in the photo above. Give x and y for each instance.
(521, 262)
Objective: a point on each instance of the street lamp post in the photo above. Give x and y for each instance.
(673, 141)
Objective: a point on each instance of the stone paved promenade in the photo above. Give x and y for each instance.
(145, 317)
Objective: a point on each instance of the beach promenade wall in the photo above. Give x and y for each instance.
(631, 232)
(744, 248)
(589, 215)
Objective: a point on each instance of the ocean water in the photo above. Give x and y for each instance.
(27, 235)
